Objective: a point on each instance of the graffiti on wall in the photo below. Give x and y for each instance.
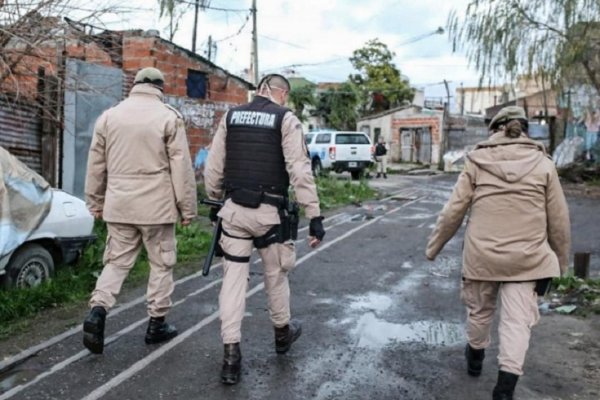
(583, 120)
(199, 115)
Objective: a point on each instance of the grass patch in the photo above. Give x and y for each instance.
(335, 193)
(74, 284)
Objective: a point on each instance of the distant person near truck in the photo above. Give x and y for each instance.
(381, 158)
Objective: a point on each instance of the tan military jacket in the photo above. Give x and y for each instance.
(296, 161)
(519, 228)
(139, 166)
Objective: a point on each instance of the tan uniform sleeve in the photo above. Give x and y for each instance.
(182, 172)
(96, 176)
(559, 226)
(453, 213)
(298, 165)
(214, 170)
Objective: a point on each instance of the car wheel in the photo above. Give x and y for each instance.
(317, 168)
(29, 266)
(356, 175)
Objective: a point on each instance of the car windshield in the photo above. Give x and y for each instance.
(308, 138)
(351, 138)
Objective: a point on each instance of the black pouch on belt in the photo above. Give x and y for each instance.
(247, 198)
(542, 286)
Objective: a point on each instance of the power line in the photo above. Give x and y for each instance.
(283, 42)
(334, 60)
(214, 8)
(239, 31)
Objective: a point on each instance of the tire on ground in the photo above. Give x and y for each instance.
(28, 267)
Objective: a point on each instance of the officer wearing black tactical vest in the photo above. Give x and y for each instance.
(257, 151)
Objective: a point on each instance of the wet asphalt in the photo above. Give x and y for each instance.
(379, 322)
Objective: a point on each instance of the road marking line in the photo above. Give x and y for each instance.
(11, 361)
(144, 362)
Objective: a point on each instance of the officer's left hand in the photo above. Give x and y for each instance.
(186, 222)
(316, 231)
(97, 214)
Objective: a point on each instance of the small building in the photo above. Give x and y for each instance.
(413, 133)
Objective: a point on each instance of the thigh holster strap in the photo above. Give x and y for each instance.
(235, 237)
(236, 259)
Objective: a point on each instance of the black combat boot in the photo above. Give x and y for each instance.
(506, 386)
(159, 331)
(474, 360)
(384, 175)
(378, 175)
(93, 330)
(232, 364)
(285, 336)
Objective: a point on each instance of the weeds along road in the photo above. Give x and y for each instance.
(379, 321)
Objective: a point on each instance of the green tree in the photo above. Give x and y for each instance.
(557, 40)
(378, 80)
(300, 97)
(338, 107)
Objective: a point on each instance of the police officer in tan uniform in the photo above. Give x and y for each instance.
(517, 239)
(140, 181)
(257, 151)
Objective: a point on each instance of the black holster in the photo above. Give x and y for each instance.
(286, 230)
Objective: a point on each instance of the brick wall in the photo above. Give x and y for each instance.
(201, 115)
(132, 51)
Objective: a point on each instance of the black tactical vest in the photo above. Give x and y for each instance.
(254, 157)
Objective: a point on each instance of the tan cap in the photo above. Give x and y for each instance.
(507, 114)
(149, 75)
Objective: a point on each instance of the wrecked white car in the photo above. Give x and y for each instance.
(40, 227)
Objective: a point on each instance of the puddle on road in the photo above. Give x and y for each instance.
(375, 333)
(15, 377)
(371, 301)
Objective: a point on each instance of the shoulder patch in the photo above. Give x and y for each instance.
(170, 107)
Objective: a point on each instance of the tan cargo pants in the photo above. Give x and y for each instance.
(241, 225)
(381, 164)
(518, 314)
(123, 245)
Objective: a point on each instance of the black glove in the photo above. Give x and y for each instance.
(212, 215)
(316, 228)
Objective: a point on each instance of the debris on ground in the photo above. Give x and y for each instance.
(570, 294)
(580, 172)
(565, 309)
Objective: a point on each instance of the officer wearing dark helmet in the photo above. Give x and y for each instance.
(256, 153)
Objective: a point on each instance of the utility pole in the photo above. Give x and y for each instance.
(210, 45)
(196, 10)
(462, 99)
(254, 43)
(211, 50)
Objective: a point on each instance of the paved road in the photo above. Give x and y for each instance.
(380, 322)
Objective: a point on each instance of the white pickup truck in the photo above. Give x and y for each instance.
(340, 151)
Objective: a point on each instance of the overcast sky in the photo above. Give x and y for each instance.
(293, 32)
